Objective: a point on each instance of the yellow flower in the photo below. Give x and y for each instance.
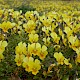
(46, 21)
(66, 61)
(66, 18)
(42, 18)
(6, 25)
(19, 59)
(76, 28)
(43, 52)
(60, 32)
(30, 26)
(64, 40)
(21, 48)
(36, 48)
(36, 67)
(33, 38)
(55, 37)
(50, 67)
(78, 50)
(19, 22)
(70, 65)
(78, 58)
(29, 51)
(27, 63)
(53, 26)
(3, 44)
(59, 57)
(6, 13)
(68, 31)
(1, 12)
(46, 41)
(74, 42)
(31, 15)
(28, 14)
(30, 65)
(2, 37)
(15, 14)
(46, 30)
(56, 47)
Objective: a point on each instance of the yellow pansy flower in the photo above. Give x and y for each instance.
(55, 37)
(29, 51)
(36, 48)
(1, 12)
(70, 65)
(56, 47)
(43, 52)
(27, 63)
(59, 57)
(31, 15)
(50, 67)
(33, 38)
(3, 44)
(19, 59)
(68, 31)
(28, 14)
(53, 26)
(46, 30)
(66, 18)
(15, 14)
(36, 66)
(78, 50)
(66, 61)
(21, 48)
(74, 42)
(6, 25)
(30, 26)
(46, 21)
(42, 18)
(60, 32)
(64, 40)
(46, 41)
(78, 58)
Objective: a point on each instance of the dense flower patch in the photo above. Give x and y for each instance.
(44, 44)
